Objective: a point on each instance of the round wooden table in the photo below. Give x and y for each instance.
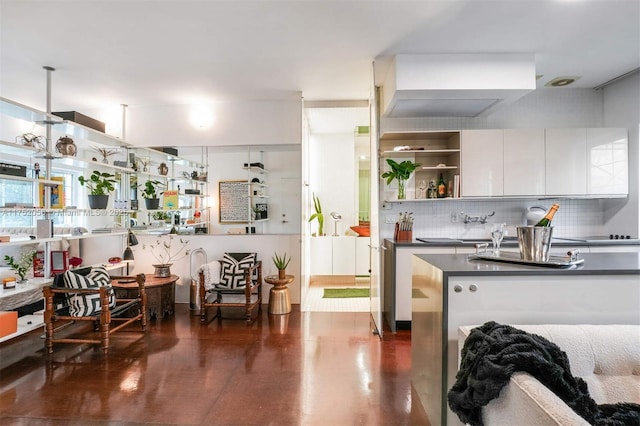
(161, 293)
(279, 300)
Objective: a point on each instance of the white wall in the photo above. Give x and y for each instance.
(283, 179)
(268, 122)
(332, 176)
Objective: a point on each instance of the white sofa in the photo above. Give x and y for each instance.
(607, 357)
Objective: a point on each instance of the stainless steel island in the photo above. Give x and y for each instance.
(449, 291)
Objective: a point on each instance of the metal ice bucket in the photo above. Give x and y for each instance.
(534, 242)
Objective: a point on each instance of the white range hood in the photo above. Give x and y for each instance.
(455, 85)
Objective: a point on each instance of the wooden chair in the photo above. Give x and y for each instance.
(248, 297)
(125, 312)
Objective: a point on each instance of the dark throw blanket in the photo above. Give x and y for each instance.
(493, 352)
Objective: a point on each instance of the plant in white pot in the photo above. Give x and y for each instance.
(100, 185)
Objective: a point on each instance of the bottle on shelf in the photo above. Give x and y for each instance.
(442, 187)
(546, 220)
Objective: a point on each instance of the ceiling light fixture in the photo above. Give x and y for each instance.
(562, 81)
(201, 117)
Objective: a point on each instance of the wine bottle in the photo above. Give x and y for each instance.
(546, 220)
(442, 187)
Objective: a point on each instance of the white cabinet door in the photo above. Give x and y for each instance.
(524, 162)
(607, 161)
(321, 256)
(481, 163)
(566, 161)
(344, 255)
(362, 255)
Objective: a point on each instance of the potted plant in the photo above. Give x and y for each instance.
(318, 215)
(281, 263)
(150, 194)
(166, 253)
(401, 172)
(23, 264)
(100, 184)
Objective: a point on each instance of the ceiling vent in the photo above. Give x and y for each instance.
(450, 85)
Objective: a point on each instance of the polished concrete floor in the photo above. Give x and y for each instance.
(312, 368)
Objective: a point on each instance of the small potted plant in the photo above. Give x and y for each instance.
(281, 263)
(318, 215)
(100, 184)
(401, 172)
(22, 265)
(150, 194)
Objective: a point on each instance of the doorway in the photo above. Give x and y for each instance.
(337, 157)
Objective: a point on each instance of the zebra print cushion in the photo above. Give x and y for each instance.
(82, 305)
(233, 269)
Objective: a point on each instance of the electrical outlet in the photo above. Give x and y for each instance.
(390, 219)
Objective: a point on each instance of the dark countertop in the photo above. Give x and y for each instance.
(560, 242)
(594, 263)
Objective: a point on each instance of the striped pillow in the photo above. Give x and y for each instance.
(83, 305)
(233, 270)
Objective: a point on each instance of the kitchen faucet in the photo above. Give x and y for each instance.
(475, 219)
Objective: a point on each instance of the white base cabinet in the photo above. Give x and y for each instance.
(363, 261)
(334, 255)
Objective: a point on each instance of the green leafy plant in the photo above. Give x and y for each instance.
(99, 183)
(400, 171)
(23, 264)
(281, 262)
(151, 188)
(318, 215)
(161, 216)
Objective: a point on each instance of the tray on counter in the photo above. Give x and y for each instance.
(514, 257)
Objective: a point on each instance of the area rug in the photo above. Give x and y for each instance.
(340, 293)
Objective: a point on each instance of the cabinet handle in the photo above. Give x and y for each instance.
(457, 288)
(473, 288)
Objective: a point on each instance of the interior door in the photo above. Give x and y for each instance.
(375, 286)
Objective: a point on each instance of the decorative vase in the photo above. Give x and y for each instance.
(282, 274)
(22, 281)
(152, 203)
(401, 193)
(162, 270)
(163, 169)
(98, 201)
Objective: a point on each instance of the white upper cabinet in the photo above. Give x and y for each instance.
(524, 162)
(607, 161)
(481, 161)
(566, 161)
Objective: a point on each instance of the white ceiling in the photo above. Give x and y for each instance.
(158, 52)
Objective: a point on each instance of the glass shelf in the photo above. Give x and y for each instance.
(23, 112)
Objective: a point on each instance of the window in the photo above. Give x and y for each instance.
(16, 193)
